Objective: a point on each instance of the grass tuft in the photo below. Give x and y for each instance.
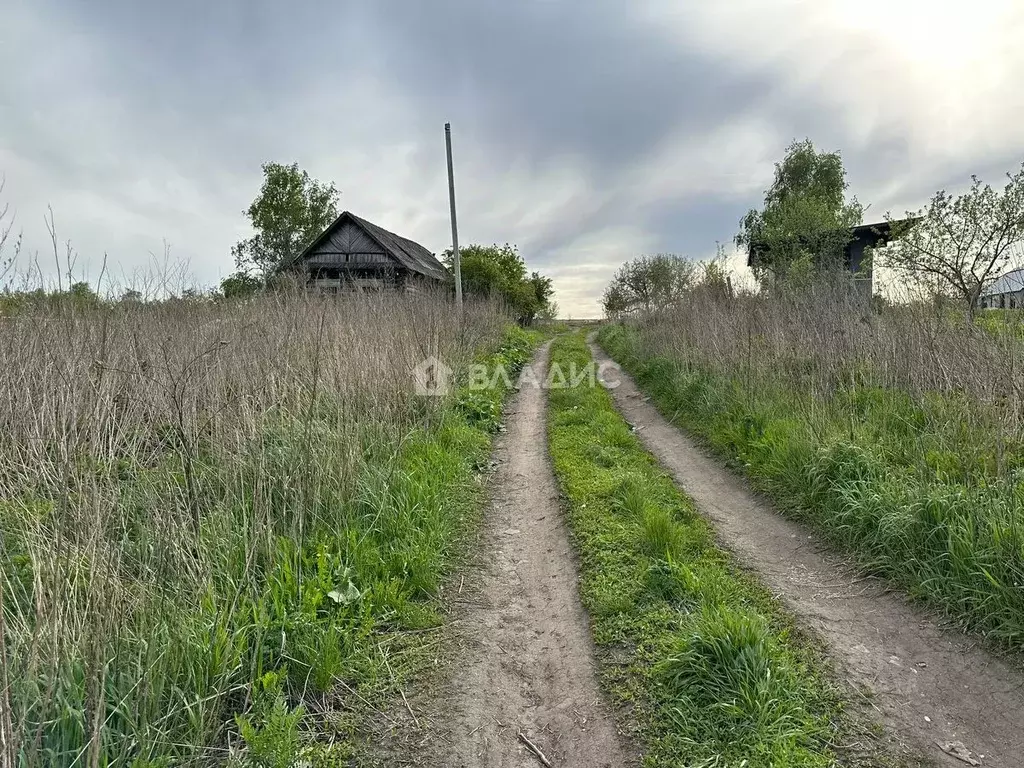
(731, 684)
(662, 537)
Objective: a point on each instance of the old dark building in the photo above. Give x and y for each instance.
(355, 254)
(862, 238)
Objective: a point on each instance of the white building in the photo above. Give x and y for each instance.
(1005, 293)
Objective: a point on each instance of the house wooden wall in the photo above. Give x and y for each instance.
(348, 244)
(349, 259)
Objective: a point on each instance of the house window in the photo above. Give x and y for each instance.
(1002, 301)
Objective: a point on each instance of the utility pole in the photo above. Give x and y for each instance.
(456, 261)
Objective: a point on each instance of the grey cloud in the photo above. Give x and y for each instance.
(692, 230)
(583, 133)
(546, 79)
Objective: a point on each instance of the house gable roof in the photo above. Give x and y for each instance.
(411, 255)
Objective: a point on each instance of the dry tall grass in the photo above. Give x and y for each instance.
(815, 338)
(899, 429)
(186, 489)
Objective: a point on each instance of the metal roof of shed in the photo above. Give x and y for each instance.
(1011, 282)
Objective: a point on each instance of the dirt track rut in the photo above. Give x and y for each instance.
(523, 657)
(931, 686)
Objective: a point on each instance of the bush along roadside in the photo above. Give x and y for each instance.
(712, 669)
(913, 488)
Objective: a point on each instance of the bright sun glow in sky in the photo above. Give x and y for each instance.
(950, 33)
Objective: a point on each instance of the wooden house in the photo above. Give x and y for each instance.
(355, 254)
(855, 261)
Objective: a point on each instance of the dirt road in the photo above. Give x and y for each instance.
(523, 658)
(932, 687)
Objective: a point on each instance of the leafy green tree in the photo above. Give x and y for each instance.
(649, 284)
(615, 301)
(962, 244)
(83, 295)
(540, 296)
(488, 270)
(499, 272)
(806, 218)
(240, 284)
(291, 209)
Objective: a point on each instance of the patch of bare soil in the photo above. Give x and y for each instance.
(520, 659)
(936, 692)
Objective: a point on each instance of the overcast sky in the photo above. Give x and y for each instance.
(585, 132)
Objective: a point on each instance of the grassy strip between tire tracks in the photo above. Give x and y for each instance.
(872, 469)
(712, 668)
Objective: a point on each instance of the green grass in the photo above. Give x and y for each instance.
(266, 593)
(918, 488)
(710, 666)
(1001, 322)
